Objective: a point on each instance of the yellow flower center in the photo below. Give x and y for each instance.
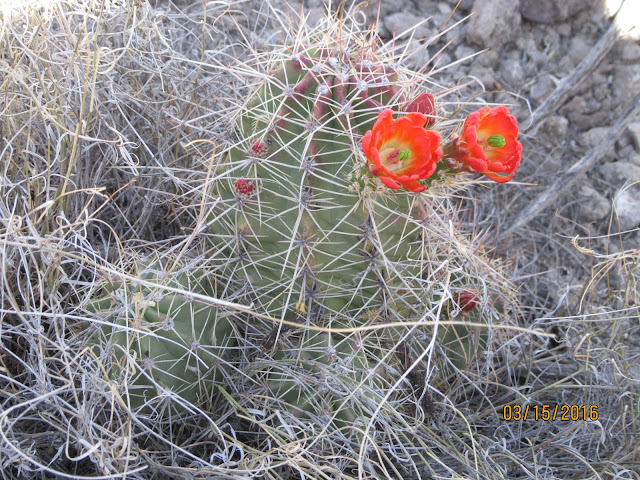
(394, 158)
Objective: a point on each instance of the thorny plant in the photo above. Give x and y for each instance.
(98, 101)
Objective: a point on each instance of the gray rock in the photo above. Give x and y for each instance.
(580, 117)
(465, 5)
(629, 51)
(624, 152)
(486, 59)
(626, 83)
(417, 55)
(542, 88)
(551, 11)
(401, 22)
(579, 47)
(619, 173)
(634, 131)
(485, 75)
(555, 128)
(314, 16)
(464, 51)
(387, 8)
(444, 8)
(627, 205)
(512, 72)
(441, 60)
(494, 23)
(591, 138)
(564, 29)
(593, 206)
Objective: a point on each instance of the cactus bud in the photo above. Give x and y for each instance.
(259, 148)
(244, 187)
(466, 300)
(425, 104)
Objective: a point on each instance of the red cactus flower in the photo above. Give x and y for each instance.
(401, 151)
(488, 144)
(466, 300)
(244, 187)
(423, 103)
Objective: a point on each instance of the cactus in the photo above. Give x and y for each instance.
(334, 372)
(310, 227)
(305, 222)
(159, 340)
(301, 219)
(314, 232)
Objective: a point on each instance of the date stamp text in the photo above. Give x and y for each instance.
(564, 413)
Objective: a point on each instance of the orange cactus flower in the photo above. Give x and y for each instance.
(488, 144)
(401, 152)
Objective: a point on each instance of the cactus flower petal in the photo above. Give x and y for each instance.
(401, 151)
(489, 144)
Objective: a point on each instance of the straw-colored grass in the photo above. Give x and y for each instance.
(112, 115)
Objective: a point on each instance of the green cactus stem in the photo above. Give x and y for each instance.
(156, 341)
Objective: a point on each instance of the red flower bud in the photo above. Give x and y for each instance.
(258, 148)
(244, 187)
(425, 104)
(466, 300)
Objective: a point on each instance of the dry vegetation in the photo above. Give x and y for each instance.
(109, 114)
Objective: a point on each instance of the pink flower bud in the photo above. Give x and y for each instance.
(425, 104)
(258, 148)
(466, 300)
(244, 187)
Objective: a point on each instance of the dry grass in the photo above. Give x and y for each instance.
(100, 106)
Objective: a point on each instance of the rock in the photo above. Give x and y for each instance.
(417, 55)
(619, 173)
(402, 22)
(551, 11)
(388, 8)
(592, 138)
(465, 5)
(624, 152)
(464, 51)
(634, 131)
(542, 88)
(486, 59)
(627, 205)
(593, 206)
(580, 117)
(578, 49)
(555, 128)
(314, 16)
(628, 51)
(485, 75)
(494, 23)
(626, 83)
(444, 8)
(564, 29)
(512, 72)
